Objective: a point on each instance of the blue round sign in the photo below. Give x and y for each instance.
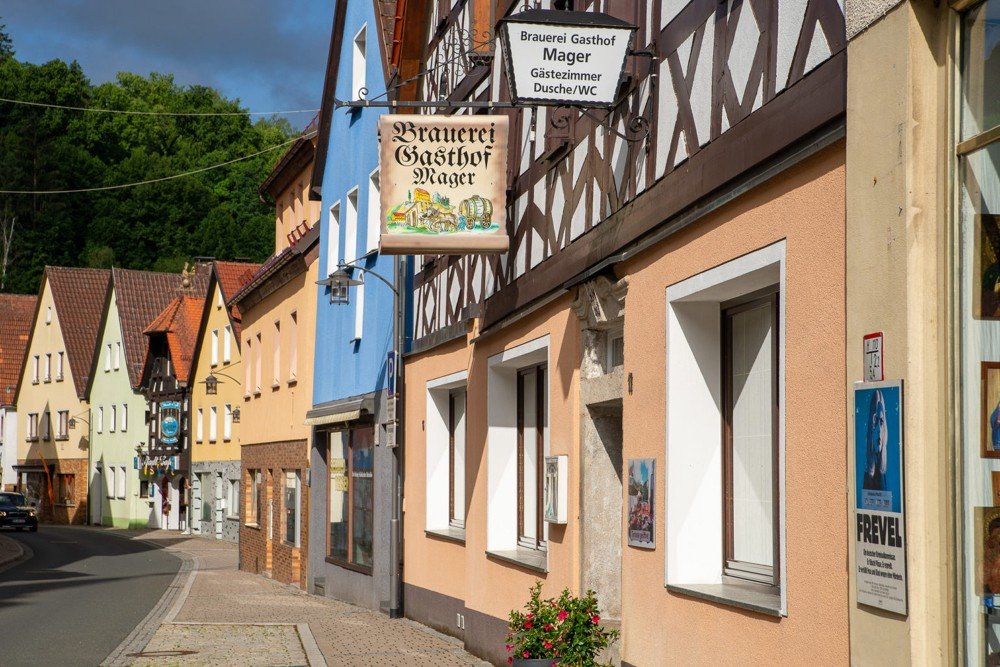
(169, 426)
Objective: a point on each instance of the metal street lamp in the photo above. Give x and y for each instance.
(211, 382)
(340, 282)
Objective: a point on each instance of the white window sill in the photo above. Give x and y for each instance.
(753, 597)
(276, 384)
(526, 558)
(292, 381)
(451, 534)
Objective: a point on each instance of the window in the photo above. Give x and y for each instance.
(292, 501)
(531, 433)
(276, 352)
(62, 425)
(227, 344)
(124, 417)
(110, 474)
(351, 227)
(207, 496)
(59, 367)
(64, 486)
(48, 367)
(218, 298)
(518, 440)
(199, 426)
(46, 425)
(48, 314)
(227, 423)
(256, 497)
(100, 419)
(750, 392)
(293, 347)
(233, 498)
(724, 487)
(374, 226)
(213, 423)
(120, 483)
(118, 355)
(107, 358)
(358, 62)
(257, 365)
(359, 311)
(456, 458)
(34, 369)
(114, 418)
(144, 489)
(333, 254)
(616, 349)
(445, 427)
(33, 426)
(350, 494)
(215, 347)
(246, 370)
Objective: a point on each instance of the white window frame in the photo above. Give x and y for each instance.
(114, 418)
(298, 505)
(59, 366)
(359, 62)
(48, 367)
(247, 367)
(227, 343)
(359, 312)
(62, 424)
(351, 226)
(121, 483)
(373, 229)
(35, 366)
(118, 355)
(438, 459)
(501, 456)
(107, 358)
(333, 249)
(293, 347)
(258, 362)
(215, 348)
(694, 502)
(124, 423)
(276, 356)
(213, 423)
(199, 425)
(100, 419)
(110, 474)
(48, 315)
(233, 498)
(227, 422)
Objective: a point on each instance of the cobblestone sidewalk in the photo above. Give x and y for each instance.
(230, 617)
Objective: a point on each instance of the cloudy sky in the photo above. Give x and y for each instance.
(268, 53)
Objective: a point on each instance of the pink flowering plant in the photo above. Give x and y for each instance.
(566, 629)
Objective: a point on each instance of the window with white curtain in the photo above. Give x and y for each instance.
(124, 417)
(118, 355)
(359, 65)
(213, 423)
(215, 347)
(227, 423)
(227, 344)
(333, 253)
(199, 425)
(293, 347)
(351, 227)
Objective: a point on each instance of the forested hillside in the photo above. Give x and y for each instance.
(155, 226)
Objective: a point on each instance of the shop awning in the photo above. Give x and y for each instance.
(340, 411)
(346, 416)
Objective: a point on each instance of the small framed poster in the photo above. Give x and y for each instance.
(554, 501)
(642, 503)
(990, 413)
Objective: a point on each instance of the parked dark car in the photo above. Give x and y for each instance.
(15, 512)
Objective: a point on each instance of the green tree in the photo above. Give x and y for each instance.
(6, 43)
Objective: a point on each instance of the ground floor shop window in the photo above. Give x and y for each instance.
(351, 496)
(207, 496)
(64, 486)
(233, 499)
(256, 497)
(445, 436)
(292, 502)
(532, 429)
(725, 435)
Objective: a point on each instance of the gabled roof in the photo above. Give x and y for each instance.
(142, 295)
(276, 262)
(232, 276)
(78, 296)
(16, 314)
(179, 322)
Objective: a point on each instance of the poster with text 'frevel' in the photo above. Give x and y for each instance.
(443, 184)
(880, 538)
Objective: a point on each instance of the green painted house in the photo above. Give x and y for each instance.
(117, 406)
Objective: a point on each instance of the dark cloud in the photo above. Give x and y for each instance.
(269, 54)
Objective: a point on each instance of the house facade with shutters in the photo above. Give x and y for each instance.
(350, 498)
(54, 434)
(279, 323)
(216, 406)
(668, 312)
(16, 314)
(119, 495)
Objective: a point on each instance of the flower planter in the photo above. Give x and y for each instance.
(534, 662)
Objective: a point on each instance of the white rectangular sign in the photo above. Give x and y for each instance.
(559, 64)
(874, 352)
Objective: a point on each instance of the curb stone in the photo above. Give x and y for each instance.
(15, 553)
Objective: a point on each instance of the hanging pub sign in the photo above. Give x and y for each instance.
(443, 184)
(560, 58)
(170, 422)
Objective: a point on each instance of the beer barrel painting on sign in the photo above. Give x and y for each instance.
(443, 184)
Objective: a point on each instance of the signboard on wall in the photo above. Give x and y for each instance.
(444, 184)
(874, 357)
(880, 525)
(559, 57)
(641, 503)
(170, 422)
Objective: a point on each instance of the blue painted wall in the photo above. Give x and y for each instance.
(344, 366)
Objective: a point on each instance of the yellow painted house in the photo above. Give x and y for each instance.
(54, 430)
(216, 400)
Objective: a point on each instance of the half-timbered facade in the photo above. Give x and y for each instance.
(652, 247)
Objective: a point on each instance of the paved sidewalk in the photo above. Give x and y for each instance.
(217, 615)
(10, 551)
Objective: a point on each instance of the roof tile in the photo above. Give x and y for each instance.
(78, 295)
(16, 313)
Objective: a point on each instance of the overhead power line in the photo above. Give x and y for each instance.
(159, 113)
(157, 180)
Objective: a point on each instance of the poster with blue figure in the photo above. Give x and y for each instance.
(878, 446)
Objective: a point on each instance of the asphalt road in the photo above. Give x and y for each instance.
(79, 596)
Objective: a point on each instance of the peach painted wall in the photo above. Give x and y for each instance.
(465, 572)
(806, 207)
